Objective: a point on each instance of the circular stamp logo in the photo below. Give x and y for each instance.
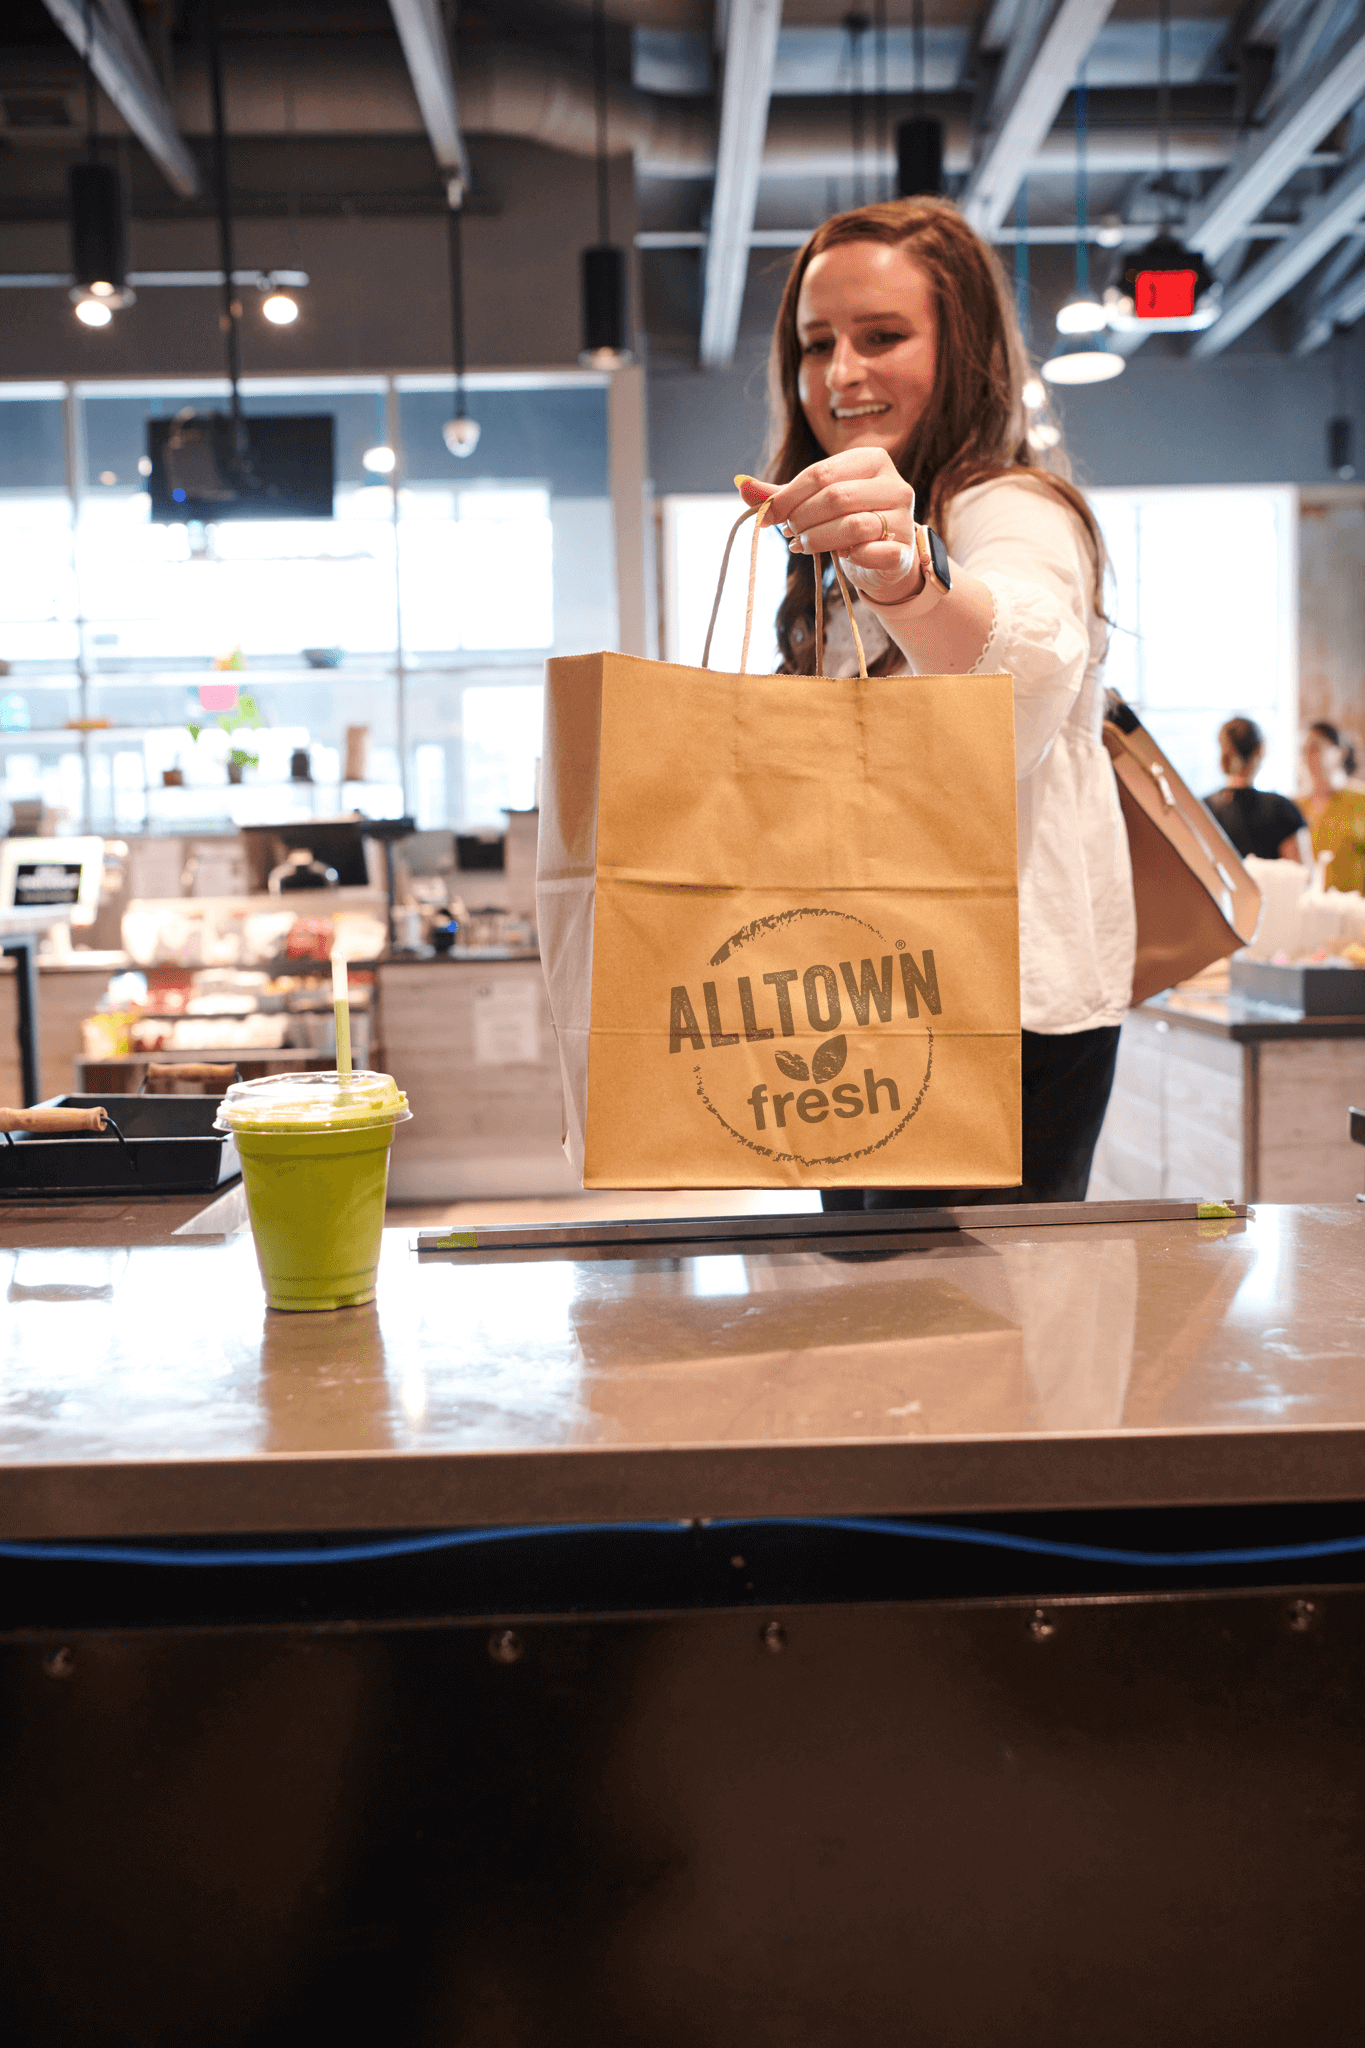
(834, 1019)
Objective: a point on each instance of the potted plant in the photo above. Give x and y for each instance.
(247, 717)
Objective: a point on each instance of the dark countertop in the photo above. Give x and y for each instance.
(145, 1389)
(1242, 1019)
(33, 1223)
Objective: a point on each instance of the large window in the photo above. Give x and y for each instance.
(437, 603)
(1206, 619)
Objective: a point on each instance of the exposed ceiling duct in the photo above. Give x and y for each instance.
(535, 96)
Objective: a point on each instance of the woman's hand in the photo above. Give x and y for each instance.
(856, 505)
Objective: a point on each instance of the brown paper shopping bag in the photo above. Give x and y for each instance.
(779, 924)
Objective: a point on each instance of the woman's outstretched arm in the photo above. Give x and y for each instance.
(1020, 598)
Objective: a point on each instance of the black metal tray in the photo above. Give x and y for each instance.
(169, 1148)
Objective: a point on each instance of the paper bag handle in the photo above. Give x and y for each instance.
(749, 607)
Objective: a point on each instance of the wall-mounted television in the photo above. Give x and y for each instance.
(279, 466)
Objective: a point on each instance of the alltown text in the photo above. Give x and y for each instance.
(868, 994)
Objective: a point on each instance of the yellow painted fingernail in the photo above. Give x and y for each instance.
(740, 482)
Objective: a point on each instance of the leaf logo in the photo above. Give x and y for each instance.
(829, 1058)
(794, 1067)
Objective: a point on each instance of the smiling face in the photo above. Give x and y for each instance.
(868, 333)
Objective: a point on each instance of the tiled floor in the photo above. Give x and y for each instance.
(614, 1205)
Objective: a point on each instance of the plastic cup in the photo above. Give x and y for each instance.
(315, 1166)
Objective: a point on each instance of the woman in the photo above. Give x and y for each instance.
(1336, 814)
(897, 377)
(1257, 821)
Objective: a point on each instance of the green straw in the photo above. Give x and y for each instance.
(341, 1007)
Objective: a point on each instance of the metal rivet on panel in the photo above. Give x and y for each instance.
(775, 1638)
(505, 1646)
(1040, 1628)
(1302, 1615)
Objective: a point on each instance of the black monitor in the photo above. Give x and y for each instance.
(277, 466)
(337, 842)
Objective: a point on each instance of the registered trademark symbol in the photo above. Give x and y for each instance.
(900, 945)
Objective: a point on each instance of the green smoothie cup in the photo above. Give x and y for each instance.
(315, 1165)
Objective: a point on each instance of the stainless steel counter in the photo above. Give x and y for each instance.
(144, 1388)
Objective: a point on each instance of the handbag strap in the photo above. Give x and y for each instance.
(749, 606)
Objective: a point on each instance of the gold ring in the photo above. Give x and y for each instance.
(886, 530)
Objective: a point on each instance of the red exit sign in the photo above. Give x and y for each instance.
(1164, 294)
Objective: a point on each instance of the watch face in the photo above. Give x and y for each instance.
(938, 555)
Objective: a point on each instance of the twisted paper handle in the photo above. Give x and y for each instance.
(749, 606)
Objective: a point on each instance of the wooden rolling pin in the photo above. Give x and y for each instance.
(41, 1121)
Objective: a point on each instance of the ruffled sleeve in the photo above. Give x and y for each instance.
(1033, 555)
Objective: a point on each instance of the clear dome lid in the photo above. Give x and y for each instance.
(312, 1102)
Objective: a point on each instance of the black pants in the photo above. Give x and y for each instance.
(1066, 1084)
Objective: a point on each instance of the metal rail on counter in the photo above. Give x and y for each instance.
(856, 1230)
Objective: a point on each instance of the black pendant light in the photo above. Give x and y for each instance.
(919, 141)
(1165, 287)
(606, 276)
(97, 216)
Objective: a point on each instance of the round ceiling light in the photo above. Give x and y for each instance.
(380, 460)
(280, 310)
(1082, 314)
(1082, 359)
(93, 312)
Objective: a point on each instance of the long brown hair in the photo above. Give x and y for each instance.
(975, 426)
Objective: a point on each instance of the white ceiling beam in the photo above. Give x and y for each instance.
(123, 68)
(746, 87)
(422, 33)
(1279, 270)
(1036, 77)
(1270, 155)
(1297, 50)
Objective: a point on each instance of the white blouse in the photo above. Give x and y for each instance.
(1077, 925)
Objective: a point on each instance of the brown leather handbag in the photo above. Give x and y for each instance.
(1196, 903)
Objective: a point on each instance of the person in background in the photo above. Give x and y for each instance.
(1336, 814)
(1257, 821)
(898, 375)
